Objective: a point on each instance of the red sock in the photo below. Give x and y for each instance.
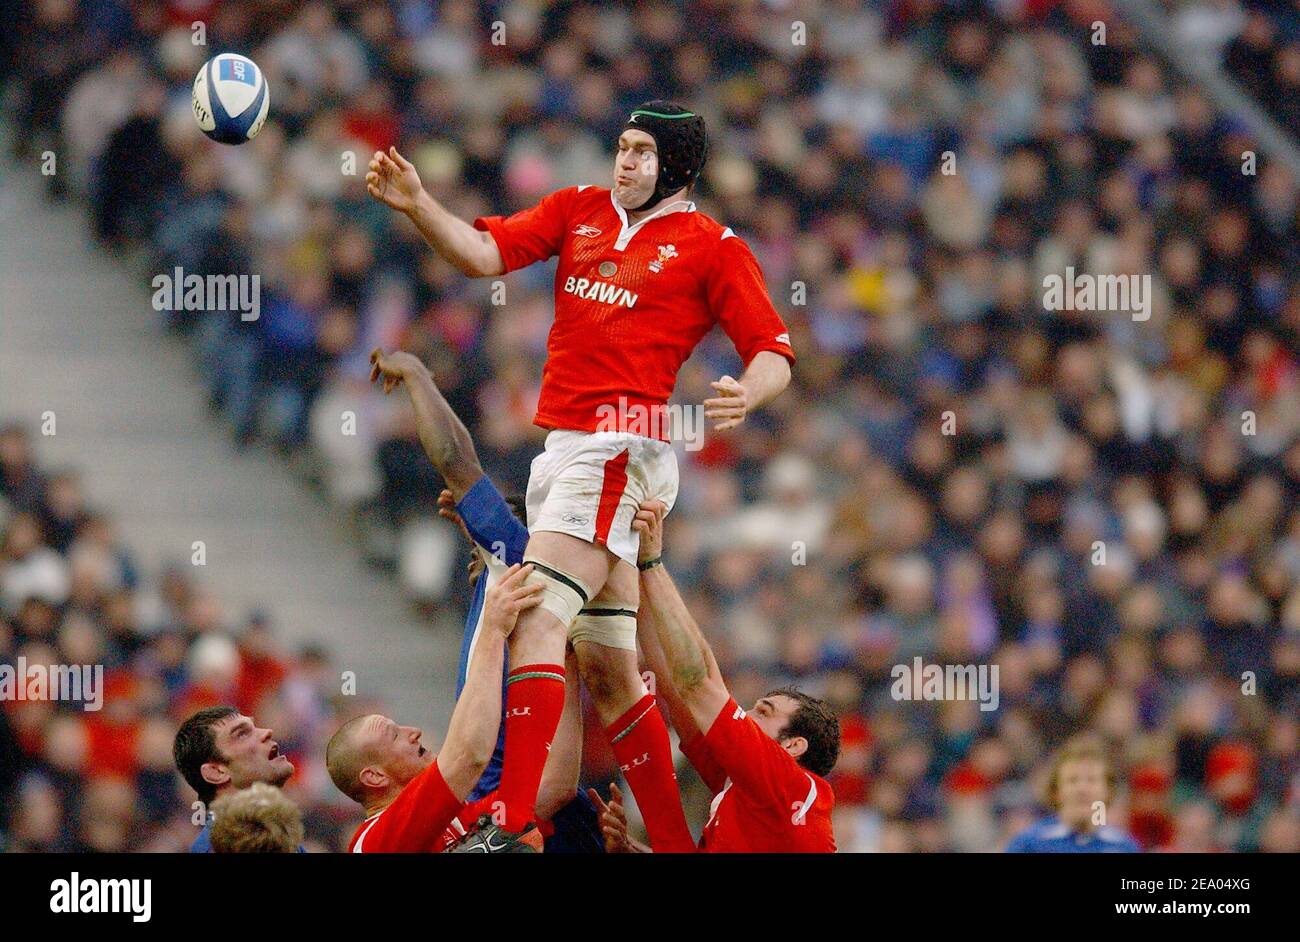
(534, 702)
(645, 756)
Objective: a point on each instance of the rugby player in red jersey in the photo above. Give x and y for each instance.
(642, 277)
(767, 765)
(415, 802)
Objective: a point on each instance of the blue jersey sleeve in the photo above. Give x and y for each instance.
(491, 523)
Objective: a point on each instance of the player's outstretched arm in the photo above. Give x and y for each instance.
(472, 733)
(647, 636)
(393, 181)
(763, 380)
(691, 668)
(564, 761)
(446, 440)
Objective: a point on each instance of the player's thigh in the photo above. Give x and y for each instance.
(575, 571)
(541, 475)
(588, 563)
(622, 588)
(612, 678)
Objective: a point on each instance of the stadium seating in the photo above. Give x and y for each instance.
(842, 531)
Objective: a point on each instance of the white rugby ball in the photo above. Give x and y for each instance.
(230, 98)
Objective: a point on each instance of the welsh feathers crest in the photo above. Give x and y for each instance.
(665, 252)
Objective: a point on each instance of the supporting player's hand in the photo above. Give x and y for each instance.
(613, 823)
(393, 181)
(391, 367)
(649, 524)
(508, 598)
(730, 407)
(447, 511)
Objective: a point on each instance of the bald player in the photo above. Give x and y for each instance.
(411, 798)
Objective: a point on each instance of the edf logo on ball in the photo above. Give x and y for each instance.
(236, 70)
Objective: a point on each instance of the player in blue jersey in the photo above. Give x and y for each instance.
(1080, 790)
(499, 537)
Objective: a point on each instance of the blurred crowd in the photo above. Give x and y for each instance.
(1103, 506)
(95, 773)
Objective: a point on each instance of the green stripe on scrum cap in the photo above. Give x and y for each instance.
(656, 114)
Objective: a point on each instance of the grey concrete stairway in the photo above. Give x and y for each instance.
(78, 337)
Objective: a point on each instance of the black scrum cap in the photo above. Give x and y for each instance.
(680, 140)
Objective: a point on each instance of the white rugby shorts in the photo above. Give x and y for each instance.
(589, 485)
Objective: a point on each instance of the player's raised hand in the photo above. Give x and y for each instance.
(649, 524)
(391, 367)
(730, 406)
(613, 823)
(509, 597)
(393, 181)
(447, 511)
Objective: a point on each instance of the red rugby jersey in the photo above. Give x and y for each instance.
(416, 821)
(425, 818)
(764, 801)
(631, 303)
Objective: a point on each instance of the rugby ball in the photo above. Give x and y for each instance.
(230, 98)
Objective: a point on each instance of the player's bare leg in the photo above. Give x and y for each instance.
(572, 571)
(607, 660)
(610, 672)
(542, 637)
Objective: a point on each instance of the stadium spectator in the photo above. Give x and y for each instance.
(1104, 507)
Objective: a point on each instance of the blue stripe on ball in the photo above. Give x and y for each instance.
(245, 120)
(230, 130)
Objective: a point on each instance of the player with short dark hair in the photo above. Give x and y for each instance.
(767, 765)
(642, 277)
(218, 750)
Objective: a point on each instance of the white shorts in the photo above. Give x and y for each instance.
(589, 485)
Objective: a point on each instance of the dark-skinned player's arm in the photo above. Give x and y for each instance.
(472, 733)
(445, 439)
(392, 180)
(689, 665)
